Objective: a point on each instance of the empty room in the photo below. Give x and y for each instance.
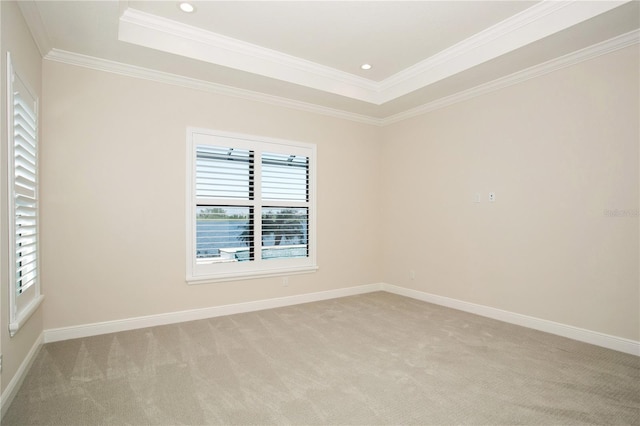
(327, 213)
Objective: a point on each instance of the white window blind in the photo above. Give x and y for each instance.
(23, 202)
(25, 189)
(285, 178)
(251, 207)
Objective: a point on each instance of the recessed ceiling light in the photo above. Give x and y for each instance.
(365, 66)
(186, 7)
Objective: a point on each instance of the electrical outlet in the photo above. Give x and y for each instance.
(492, 196)
(412, 274)
(285, 281)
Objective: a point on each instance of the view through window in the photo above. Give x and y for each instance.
(253, 203)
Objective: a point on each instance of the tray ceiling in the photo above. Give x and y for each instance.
(308, 54)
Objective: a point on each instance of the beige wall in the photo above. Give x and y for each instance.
(558, 151)
(113, 196)
(26, 60)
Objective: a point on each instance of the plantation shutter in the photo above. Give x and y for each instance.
(25, 172)
(285, 213)
(224, 216)
(223, 173)
(22, 162)
(285, 177)
(252, 211)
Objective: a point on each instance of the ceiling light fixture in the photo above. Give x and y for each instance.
(365, 66)
(186, 7)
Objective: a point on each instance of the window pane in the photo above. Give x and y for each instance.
(285, 232)
(224, 172)
(285, 177)
(224, 234)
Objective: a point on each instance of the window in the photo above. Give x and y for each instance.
(24, 297)
(250, 208)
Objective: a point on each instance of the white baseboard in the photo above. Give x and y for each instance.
(95, 329)
(54, 335)
(571, 332)
(593, 337)
(16, 381)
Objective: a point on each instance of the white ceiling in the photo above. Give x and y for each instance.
(344, 35)
(308, 54)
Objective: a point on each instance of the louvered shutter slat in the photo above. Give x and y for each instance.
(223, 173)
(285, 177)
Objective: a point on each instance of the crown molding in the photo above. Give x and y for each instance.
(127, 70)
(532, 24)
(166, 35)
(539, 21)
(573, 58)
(32, 17)
(599, 49)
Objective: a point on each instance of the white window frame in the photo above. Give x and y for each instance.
(22, 304)
(198, 273)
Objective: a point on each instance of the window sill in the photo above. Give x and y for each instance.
(250, 275)
(24, 315)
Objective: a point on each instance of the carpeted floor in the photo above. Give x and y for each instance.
(371, 359)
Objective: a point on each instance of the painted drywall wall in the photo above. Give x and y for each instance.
(113, 196)
(559, 151)
(560, 242)
(26, 60)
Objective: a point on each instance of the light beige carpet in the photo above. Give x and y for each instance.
(371, 359)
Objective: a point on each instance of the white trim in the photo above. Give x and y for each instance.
(532, 24)
(602, 48)
(23, 316)
(537, 22)
(134, 71)
(214, 272)
(144, 29)
(16, 381)
(573, 58)
(580, 334)
(599, 339)
(251, 275)
(54, 335)
(65, 333)
(21, 307)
